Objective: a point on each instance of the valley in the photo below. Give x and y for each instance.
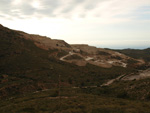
(43, 75)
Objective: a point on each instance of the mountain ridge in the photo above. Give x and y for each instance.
(90, 54)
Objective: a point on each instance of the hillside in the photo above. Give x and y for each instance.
(40, 74)
(137, 53)
(88, 54)
(27, 67)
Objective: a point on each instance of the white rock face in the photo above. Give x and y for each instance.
(89, 58)
(140, 75)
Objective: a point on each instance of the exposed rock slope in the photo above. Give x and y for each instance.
(79, 54)
(45, 42)
(102, 57)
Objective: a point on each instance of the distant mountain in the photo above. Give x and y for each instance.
(137, 53)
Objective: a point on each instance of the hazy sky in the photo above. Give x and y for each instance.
(102, 23)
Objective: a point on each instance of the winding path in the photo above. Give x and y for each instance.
(63, 58)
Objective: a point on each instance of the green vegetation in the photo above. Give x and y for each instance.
(74, 57)
(102, 53)
(71, 101)
(62, 53)
(30, 68)
(136, 53)
(130, 90)
(29, 80)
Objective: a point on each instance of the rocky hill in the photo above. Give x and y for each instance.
(38, 74)
(81, 54)
(105, 58)
(46, 42)
(31, 62)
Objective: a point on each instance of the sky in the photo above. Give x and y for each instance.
(113, 24)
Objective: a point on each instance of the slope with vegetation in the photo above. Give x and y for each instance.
(37, 74)
(25, 67)
(137, 53)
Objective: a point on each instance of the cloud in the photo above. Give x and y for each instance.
(101, 9)
(5, 6)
